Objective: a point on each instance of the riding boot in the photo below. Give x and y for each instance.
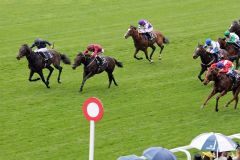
(148, 36)
(215, 57)
(100, 64)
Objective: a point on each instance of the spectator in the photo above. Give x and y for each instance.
(220, 156)
(237, 154)
(197, 157)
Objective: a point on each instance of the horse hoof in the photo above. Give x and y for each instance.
(226, 105)
(160, 58)
(59, 81)
(151, 61)
(202, 106)
(216, 110)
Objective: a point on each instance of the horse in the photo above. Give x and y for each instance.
(231, 49)
(141, 43)
(36, 63)
(206, 58)
(222, 85)
(235, 27)
(91, 67)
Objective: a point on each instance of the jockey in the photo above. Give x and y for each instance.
(145, 28)
(96, 50)
(232, 38)
(213, 48)
(41, 47)
(227, 67)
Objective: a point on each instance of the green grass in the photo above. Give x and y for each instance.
(154, 105)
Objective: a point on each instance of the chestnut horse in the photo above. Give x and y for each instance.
(141, 43)
(36, 63)
(91, 67)
(222, 84)
(206, 58)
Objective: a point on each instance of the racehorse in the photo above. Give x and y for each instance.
(231, 49)
(222, 84)
(206, 58)
(91, 67)
(235, 27)
(141, 43)
(36, 63)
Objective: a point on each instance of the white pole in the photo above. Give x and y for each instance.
(91, 143)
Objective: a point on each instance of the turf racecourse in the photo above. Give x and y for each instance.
(154, 105)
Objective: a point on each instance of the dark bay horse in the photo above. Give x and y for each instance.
(142, 43)
(91, 67)
(222, 84)
(235, 27)
(206, 58)
(36, 63)
(231, 49)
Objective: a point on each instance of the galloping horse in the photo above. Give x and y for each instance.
(36, 63)
(206, 58)
(235, 27)
(222, 84)
(231, 49)
(142, 43)
(91, 67)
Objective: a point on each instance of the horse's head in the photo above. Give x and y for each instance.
(80, 58)
(222, 43)
(211, 75)
(131, 30)
(23, 51)
(234, 26)
(198, 51)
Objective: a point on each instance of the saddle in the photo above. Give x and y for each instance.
(101, 62)
(46, 55)
(150, 36)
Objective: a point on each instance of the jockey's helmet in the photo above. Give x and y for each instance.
(141, 22)
(220, 65)
(90, 47)
(226, 33)
(208, 41)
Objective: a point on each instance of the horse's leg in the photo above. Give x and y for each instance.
(209, 97)
(236, 97)
(110, 78)
(217, 99)
(50, 72)
(85, 77)
(43, 79)
(135, 55)
(59, 73)
(161, 49)
(30, 76)
(146, 55)
(203, 69)
(114, 80)
(153, 49)
(227, 104)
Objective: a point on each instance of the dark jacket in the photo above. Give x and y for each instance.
(39, 43)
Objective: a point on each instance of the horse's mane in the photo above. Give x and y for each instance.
(25, 45)
(132, 26)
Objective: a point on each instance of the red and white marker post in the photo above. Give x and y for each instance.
(93, 112)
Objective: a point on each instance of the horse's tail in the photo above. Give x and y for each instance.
(165, 40)
(119, 64)
(65, 59)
